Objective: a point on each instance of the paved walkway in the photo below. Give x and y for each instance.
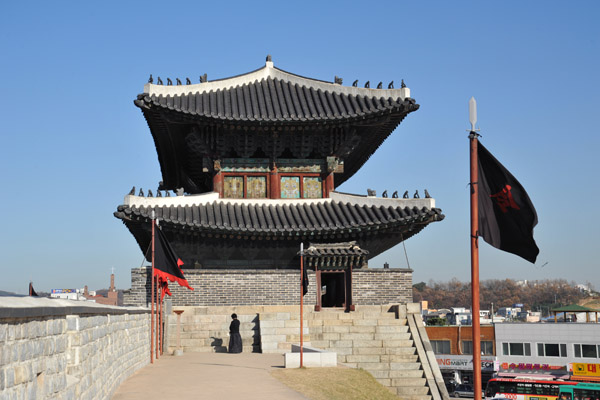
(208, 376)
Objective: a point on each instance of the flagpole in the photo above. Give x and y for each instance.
(157, 322)
(301, 304)
(160, 321)
(160, 324)
(476, 335)
(152, 298)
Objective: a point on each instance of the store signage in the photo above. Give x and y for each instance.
(530, 367)
(488, 364)
(57, 291)
(585, 369)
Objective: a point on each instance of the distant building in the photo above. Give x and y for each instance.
(68, 294)
(509, 312)
(545, 350)
(112, 298)
(453, 348)
(87, 295)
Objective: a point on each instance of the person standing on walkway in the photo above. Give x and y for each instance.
(235, 340)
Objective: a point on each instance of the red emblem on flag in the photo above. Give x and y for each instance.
(504, 199)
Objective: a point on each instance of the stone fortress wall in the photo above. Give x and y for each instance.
(63, 349)
(214, 287)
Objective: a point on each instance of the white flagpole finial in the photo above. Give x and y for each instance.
(472, 113)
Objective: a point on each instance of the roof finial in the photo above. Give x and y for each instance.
(380, 85)
(402, 85)
(178, 81)
(169, 82)
(338, 80)
(269, 59)
(203, 78)
(159, 81)
(355, 83)
(150, 80)
(391, 85)
(368, 84)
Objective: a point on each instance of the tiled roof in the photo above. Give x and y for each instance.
(273, 95)
(284, 217)
(334, 249)
(327, 256)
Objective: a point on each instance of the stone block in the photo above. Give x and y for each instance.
(273, 338)
(367, 343)
(384, 381)
(369, 350)
(380, 374)
(72, 322)
(363, 329)
(336, 329)
(410, 382)
(343, 351)
(397, 345)
(387, 329)
(413, 308)
(341, 343)
(272, 324)
(406, 373)
(357, 336)
(335, 322)
(330, 336)
(363, 358)
(388, 322)
(372, 366)
(365, 322)
(324, 344)
(22, 374)
(393, 336)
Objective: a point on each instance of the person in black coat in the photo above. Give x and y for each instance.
(235, 340)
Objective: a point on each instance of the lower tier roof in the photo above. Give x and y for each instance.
(191, 220)
(338, 214)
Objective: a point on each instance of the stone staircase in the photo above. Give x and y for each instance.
(390, 342)
(206, 329)
(378, 340)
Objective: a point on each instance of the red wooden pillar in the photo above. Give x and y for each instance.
(218, 183)
(329, 186)
(275, 192)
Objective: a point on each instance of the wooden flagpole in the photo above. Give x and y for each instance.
(152, 298)
(301, 304)
(157, 316)
(160, 323)
(476, 332)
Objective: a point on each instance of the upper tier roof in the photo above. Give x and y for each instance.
(273, 95)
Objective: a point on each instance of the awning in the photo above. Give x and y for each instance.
(586, 378)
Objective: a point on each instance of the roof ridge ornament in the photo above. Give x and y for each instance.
(269, 61)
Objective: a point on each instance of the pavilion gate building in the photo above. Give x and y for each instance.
(253, 162)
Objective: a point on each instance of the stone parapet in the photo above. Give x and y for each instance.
(64, 349)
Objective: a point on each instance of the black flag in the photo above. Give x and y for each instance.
(506, 214)
(304, 281)
(32, 290)
(166, 263)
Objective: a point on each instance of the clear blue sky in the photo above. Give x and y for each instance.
(73, 143)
